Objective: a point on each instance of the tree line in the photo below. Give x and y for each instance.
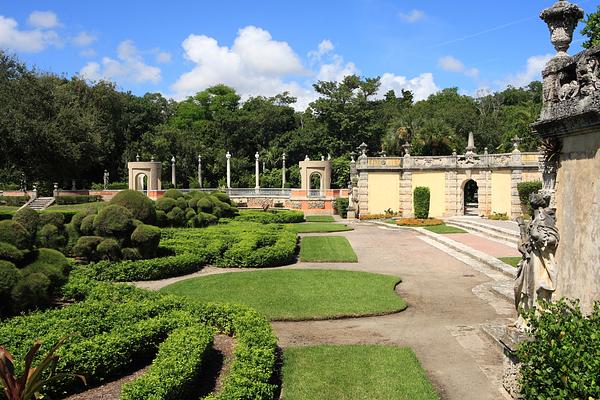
(58, 129)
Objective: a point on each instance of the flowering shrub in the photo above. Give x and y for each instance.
(419, 222)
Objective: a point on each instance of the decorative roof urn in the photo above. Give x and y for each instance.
(562, 18)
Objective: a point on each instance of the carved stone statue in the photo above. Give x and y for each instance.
(536, 275)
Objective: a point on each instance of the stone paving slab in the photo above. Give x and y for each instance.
(508, 225)
(490, 247)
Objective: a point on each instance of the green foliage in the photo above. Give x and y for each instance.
(109, 249)
(51, 237)
(13, 201)
(176, 366)
(341, 206)
(14, 233)
(592, 29)
(10, 253)
(9, 276)
(173, 194)
(87, 225)
(53, 218)
(113, 220)
(31, 292)
(86, 247)
(525, 189)
(272, 217)
(563, 360)
(421, 198)
(51, 263)
(140, 206)
(146, 238)
(29, 219)
(77, 199)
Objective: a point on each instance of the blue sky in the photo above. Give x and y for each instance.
(265, 47)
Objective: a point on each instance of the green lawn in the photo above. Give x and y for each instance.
(75, 207)
(319, 218)
(513, 261)
(354, 372)
(316, 227)
(298, 294)
(326, 249)
(444, 229)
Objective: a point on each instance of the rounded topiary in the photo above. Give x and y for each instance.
(205, 205)
(176, 217)
(33, 291)
(113, 220)
(165, 204)
(189, 213)
(53, 218)
(222, 197)
(140, 206)
(173, 194)
(50, 236)
(10, 253)
(207, 219)
(9, 276)
(86, 247)
(109, 249)
(29, 218)
(51, 263)
(87, 225)
(193, 202)
(14, 233)
(78, 218)
(421, 202)
(146, 238)
(182, 203)
(161, 218)
(130, 253)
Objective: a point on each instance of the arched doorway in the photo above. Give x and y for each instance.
(471, 198)
(141, 182)
(314, 184)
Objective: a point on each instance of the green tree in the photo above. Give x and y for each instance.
(592, 29)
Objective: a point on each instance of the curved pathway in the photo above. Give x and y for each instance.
(446, 308)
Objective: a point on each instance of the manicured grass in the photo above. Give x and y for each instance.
(354, 372)
(298, 294)
(316, 227)
(326, 249)
(444, 229)
(512, 261)
(8, 208)
(319, 218)
(75, 207)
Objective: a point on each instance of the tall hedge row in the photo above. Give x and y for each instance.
(421, 197)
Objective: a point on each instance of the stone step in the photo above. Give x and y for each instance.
(487, 230)
(40, 203)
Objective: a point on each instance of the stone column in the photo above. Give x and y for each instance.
(283, 171)
(228, 156)
(257, 171)
(173, 180)
(406, 194)
(200, 171)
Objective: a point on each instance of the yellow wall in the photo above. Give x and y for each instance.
(436, 182)
(384, 191)
(501, 196)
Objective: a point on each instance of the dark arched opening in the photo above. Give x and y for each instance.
(471, 198)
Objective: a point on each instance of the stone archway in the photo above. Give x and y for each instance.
(145, 175)
(141, 181)
(315, 181)
(470, 197)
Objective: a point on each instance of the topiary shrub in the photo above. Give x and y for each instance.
(29, 219)
(131, 253)
(109, 249)
(10, 253)
(140, 206)
(161, 218)
(525, 189)
(31, 292)
(165, 204)
(86, 247)
(563, 359)
(341, 206)
(53, 218)
(51, 263)
(14, 233)
(204, 205)
(87, 225)
(146, 238)
(173, 194)
(78, 218)
(9, 276)
(113, 220)
(176, 217)
(51, 237)
(421, 198)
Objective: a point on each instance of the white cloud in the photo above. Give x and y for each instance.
(163, 57)
(412, 16)
(43, 20)
(27, 41)
(88, 53)
(84, 39)
(422, 86)
(326, 46)
(532, 71)
(453, 64)
(130, 67)
(336, 70)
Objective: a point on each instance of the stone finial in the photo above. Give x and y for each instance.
(228, 155)
(516, 141)
(199, 158)
(406, 146)
(328, 157)
(283, 156)
(471, 143)
(152, 158)
(322, 158)
(137, 157)
(485, 151)
(562, 18)
(454, 152)
(363, 149)
(173, 160)
(306, 158)
(352, 155)
(256, 155)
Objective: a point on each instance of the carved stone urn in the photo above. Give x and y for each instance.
(562, 18)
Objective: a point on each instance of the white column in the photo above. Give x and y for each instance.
(200, 171)
(228, 170)
(173, 181)
(283, 171)
(257, 171)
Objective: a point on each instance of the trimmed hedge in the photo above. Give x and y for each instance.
(525, 189)
(13, 201)
(271, 217)
(194, 209)
(140, 206)
(117, 325)
(421, 198)
(341, 206)
(77, 199)
(176, 367)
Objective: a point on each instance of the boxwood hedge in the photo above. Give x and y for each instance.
(272, 217)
